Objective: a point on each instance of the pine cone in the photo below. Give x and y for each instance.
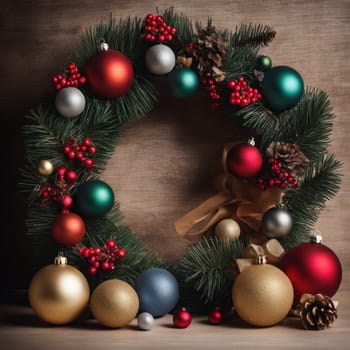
(289, 154)
(317, 312)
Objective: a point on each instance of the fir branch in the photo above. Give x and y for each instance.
(253, 35)
(207, 267)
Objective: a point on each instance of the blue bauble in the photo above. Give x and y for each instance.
(183, 83)
(94, 198)
(158, 291)
(282, 88)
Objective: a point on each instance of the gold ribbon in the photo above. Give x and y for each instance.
(239, 199)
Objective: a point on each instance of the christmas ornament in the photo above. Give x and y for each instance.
(317, 312)
(244, 160)
(155, 29)
(68, 229)
(81, 152)
(114, 303)
(102, 258)
(182, 318)
(215, 316)
(70, 102)
(276, 222)
(263, 63)
(282, 88)
(145, 321)
(94, 198)
(312, 268)
(71, 77)
(160, 59)
(45, 167)
(183, 83)
(242, 94)
(262, 294)
(158, 291)
(228, 229)
(109, 73)
(59, 293)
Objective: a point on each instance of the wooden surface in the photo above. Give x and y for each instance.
(21, 330)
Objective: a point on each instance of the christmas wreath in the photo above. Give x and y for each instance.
(270, 189)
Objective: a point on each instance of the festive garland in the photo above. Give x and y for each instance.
(284, 179)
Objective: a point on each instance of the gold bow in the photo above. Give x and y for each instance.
(239, 199)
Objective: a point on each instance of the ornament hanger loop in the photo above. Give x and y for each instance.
(251, 141)
(102, 45)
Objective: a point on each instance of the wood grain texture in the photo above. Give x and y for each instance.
(161, 167)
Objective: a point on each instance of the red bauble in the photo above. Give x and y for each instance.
(215, 316)
(312, 268)
(244, 160)
(68, 229)
(182, 318)
(109, 73)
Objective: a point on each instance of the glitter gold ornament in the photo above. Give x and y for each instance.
(262, 294)
(59, 293)
(228, 229)
(45, 167)
(114, 303)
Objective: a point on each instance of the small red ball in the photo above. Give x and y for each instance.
(121, 253)
(110, 243)
(244, 160)
(71, 176)
(182, 318)
(92, 270)
(215, 316)
(61, 170)
(66, 201)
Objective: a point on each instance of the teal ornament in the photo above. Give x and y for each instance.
(282, 88)
(158, 291)
(263, 63)
(183, 83)
(94, 198)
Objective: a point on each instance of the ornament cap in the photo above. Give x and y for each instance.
(60, 259)
(251, 141)
(316, 237)
(102, 45)
(261, 260)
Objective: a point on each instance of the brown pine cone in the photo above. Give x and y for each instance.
(317, 312)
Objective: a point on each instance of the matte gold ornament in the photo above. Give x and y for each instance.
(114, 303)
(59, 293)
(45, 167)
(228, 229)
(262, 294)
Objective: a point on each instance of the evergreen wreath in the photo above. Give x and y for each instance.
(222, 60)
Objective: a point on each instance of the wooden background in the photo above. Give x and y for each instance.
(160, 168)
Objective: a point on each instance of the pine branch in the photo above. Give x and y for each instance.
(207, 267)
(253, 35)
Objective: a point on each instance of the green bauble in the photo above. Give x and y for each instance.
(183, 83)
(263, 63)
(94, 198)
(282, 88)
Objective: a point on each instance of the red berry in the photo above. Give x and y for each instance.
(91, 149)
(149, 17)
(88, 163)
(148, 36)
(231, 84)
(71, 155)
(63, 81)
(111, 266)
(83, 148)
(161, 38)
(283, 186)
(168, 37)
(61, 170)
(92, 259)
(105, 265)
(110, 243)
(97, 251)
(45, 194)
(66, 201)
(82, 80)
(81, 250)
(173, 31)
(121, 253)
(54, 80)
(86, 253)
(71, 176)
(59, 77)
(92, 270)
(96, 264)
(58, 87)
(271, 182)
(79, 155)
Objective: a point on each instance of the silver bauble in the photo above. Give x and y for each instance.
(145, 321)
(276, 223)
(160, 59)
(70, 102)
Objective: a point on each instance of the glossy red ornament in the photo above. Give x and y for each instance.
(182, 318)
(68, 229)
(109, 73)
(244, 160)
(312, 268)
(215, 317)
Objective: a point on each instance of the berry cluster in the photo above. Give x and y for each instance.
(81, 151)
(58, 192)
(102, 258)
(279, 177)
(72, 78)
(242, 94)
(212, 88)
(156, 30)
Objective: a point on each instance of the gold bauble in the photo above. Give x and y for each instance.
(59, 293)
(45, 167)
(114, 303)
(262, 295)
(228, 229)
